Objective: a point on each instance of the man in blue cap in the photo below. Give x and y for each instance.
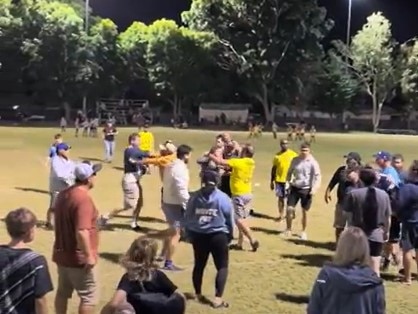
(389, 174)
(61, 176)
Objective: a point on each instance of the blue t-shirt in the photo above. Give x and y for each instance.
(132, 154)
(52, 151)
(392, 174)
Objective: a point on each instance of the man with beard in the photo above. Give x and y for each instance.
(231, 150)
(340, 180)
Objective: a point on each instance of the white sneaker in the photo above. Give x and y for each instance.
(287, 233)
(304, 236)
(103, 220)
(134, 225)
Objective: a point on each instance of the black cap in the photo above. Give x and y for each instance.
(96, 167)
(210, 178)
(353, 155)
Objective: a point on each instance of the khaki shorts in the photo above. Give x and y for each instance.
(132, 192)
(82, 280)
(241, 204)
(341, 218)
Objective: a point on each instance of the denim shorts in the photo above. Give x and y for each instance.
(173, 214)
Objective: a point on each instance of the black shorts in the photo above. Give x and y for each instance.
(302, 195)
(395, 230)
(409, 240)
(376, 248)
(224, 186)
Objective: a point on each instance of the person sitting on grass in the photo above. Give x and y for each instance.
(348, 285)
(143, 287)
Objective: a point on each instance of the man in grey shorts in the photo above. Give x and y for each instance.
(175, 196)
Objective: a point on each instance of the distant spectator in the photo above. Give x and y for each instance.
(75, 249)
(144, 287)
(63, 124)
(25, 278)
(348, 285)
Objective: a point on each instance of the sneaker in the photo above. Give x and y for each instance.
(303, 236)
(172, 267)
(134, 225)
(385, 264)
(255, 245)
(103, 219)
(287, 233)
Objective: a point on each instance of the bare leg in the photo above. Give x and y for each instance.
(61, 305)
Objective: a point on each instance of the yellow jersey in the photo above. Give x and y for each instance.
(282, 162)
(146, 141)
(241, 176)
(161, 161)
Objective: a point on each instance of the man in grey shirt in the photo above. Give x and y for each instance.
(370, 210)
(303, 181)
(61, 176)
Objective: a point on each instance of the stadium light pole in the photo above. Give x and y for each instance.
(350, 9)
(86, 27)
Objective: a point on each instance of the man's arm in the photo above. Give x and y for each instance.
(85, 213)
(334, 180)
(273, 173)
(118, 299)
(291, 169)
(315, 177)
(218, 160)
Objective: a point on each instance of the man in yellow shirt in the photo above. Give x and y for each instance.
(146, 139)
(241, 190)
(281, 165)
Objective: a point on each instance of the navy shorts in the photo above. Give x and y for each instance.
(409, 240)
(296, 195)
(395, 230)
(280, 189)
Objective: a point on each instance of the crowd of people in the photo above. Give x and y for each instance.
(376, 216)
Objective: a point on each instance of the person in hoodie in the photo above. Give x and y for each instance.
(407, 213)
(209, 224)
(348, 285)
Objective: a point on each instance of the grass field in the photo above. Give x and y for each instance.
(276, 279)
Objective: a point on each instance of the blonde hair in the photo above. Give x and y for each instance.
(352, 248)
(139, 260)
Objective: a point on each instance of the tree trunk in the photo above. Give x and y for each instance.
(67, 110)
(379, 114)
(375, 107)
(174, 102)
(266, 104)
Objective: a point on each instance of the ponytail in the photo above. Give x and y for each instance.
(369, 211)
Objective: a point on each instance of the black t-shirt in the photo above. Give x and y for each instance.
(340, 179)
(109, 133)
(26, 278)
(158, 284)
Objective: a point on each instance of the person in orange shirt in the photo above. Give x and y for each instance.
(166, 157)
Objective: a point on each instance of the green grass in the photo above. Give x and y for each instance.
(277, 279)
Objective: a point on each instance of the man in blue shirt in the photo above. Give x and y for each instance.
(61, 176)
(407, 212)
(53, 149)
(209, 223)
(132, 189)
(389, 180)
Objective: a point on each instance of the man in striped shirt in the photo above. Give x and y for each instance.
(25, 277)
(303, 180)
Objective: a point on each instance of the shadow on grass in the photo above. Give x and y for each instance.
(118, 168)
(111, 257)
(121, 226)
(290, 298)
(266, 231)
(262, 216)
(313, 244)
(33, 190)
(312, 260)
(90, 159)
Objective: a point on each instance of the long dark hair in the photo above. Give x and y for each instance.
(369, 208)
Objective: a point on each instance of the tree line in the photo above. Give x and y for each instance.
(270, 52)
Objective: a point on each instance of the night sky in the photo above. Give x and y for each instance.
(402, 13)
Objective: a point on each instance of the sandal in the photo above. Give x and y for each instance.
(236, 247)
(222, 305)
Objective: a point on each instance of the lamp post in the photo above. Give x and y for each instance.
(86, 28)
(350, 6)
